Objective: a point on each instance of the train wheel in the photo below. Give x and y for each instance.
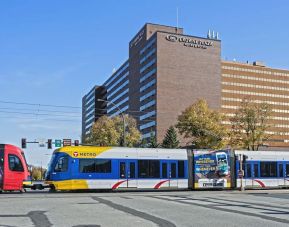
(52, 189)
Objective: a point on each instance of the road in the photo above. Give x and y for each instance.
(171, 208)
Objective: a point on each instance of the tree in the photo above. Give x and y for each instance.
(153, 141)
(171, 139)
(37, 172)
(132, 135)
(249, 125)
(202, 126)
(108, 131)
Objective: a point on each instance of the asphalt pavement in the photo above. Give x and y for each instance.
(168, 208)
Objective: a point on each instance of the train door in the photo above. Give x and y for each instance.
(14, 171)
(127, 171)
(248, 175)
(281, 176)
(255, 172)
(169, 173)
(287, 173)
(1, 165)
(173, 180)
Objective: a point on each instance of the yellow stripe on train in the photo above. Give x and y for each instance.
(83, 151)
(69, 184)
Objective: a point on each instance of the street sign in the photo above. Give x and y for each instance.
(41, 142)
(57, 143)
(66, 142)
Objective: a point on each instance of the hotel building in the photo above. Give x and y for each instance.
(167, 71)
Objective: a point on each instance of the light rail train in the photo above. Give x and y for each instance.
(114, 168)
(13, 168)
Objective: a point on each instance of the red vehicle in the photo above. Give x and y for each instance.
(13, 168)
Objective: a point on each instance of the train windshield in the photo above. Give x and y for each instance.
(22, 153)
(50, 164)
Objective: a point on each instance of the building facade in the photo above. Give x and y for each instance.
(167, 71)
(262, 85)
(92, 109)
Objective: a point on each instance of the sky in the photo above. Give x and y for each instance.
(53, 52)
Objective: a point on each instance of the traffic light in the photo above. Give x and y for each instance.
(76, 142)
(23, 143)
(49, 144)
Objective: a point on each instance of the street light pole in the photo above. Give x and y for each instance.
(122, 115)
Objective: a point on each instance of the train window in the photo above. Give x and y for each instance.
(256, 170)
(15, 163)
(248, 171)
(281, 172)
(268, 169)
(122, 170)
(61, 165)
(95, 166)
(102, 166)
(181, 169)
(164, 170)
(148, 168)
(287, 170)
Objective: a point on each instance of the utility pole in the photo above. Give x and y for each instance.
(241, 172)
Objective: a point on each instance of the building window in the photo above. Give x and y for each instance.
(111, 79)
(149, 84)
(149, 64)
(147, 55)
(148, 135)
(149, 94)
(147, 125)
(147, 115)
(149, 45)
(118, 89)
(117, 82)
(147, 105)
(117, 105)
(121, 111)
(147, 75)
(118, 96)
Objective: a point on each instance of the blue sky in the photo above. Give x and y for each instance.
(53, 52)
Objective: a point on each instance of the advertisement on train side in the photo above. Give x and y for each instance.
(212, 169)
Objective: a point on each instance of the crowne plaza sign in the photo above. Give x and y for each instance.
(189, 42)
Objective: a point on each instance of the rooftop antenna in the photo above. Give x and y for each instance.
(209, 34)
(213, 34)
(217, 35)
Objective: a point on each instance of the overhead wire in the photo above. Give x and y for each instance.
(37, 114)
(38, 104)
